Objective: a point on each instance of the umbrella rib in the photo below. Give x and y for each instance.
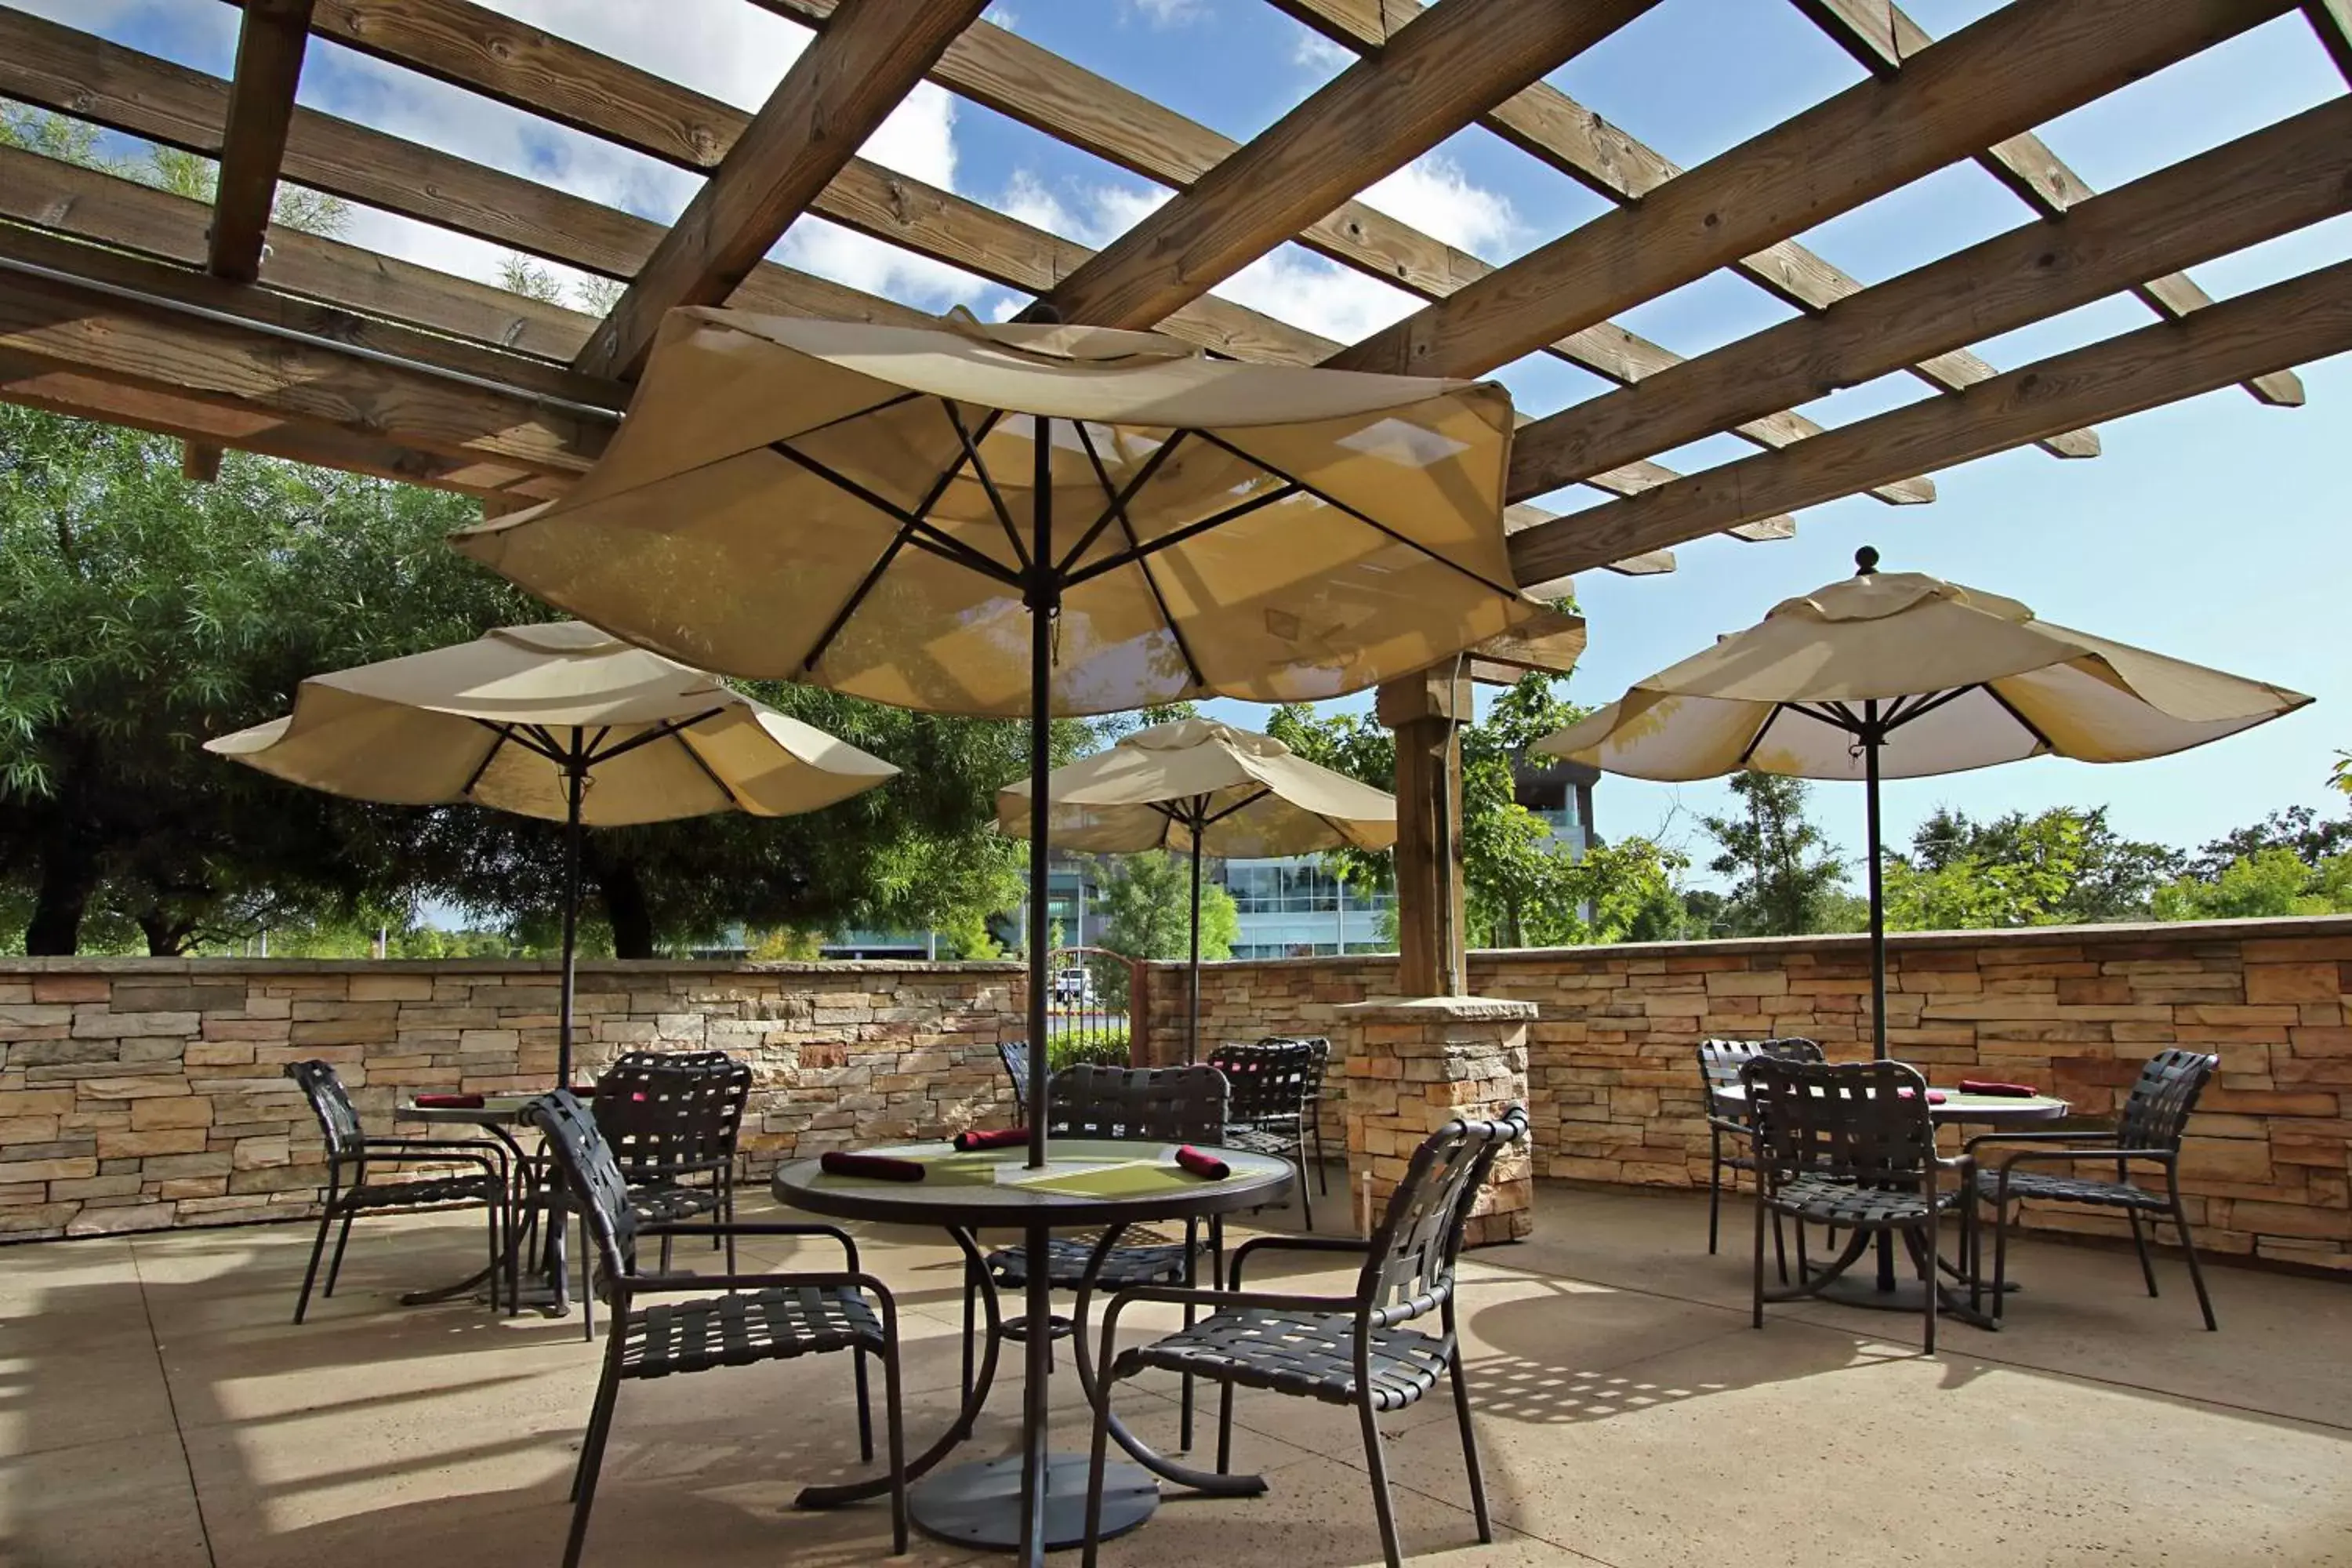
(1137, 556)
(2028, 725)
(686, 744)
(987, 483)
(1897, 715)
(1756, 740)
(1118, 507)
(1241, 804)
(504, 732)
(1375, 524)
(919, 528)
(661, 731)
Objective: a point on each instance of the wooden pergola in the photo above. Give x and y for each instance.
(122, 303)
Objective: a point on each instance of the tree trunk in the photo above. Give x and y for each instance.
(68, 877)
(625, 908)
(166, 938)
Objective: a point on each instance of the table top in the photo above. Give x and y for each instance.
(1086, 1182)
(1981, 1110)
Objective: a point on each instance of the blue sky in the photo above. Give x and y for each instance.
(2206, 530)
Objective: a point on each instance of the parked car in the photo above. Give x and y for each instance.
(1074, 985)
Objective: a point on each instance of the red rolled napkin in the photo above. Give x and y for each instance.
(583, 1091)
(1934, 1096)
(881, 1167)
(1207, 1166)
(971, 1142)
(448, 1101)
(1988, 1086)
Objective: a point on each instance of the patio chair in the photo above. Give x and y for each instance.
(1014, 1055)
(733, 1320)
(1851, 1145)
(357, 1183)
(674, 1120)
(1354, 1350)
(1153, 1105)
(1719, 1062)
(2148, 1131)
(1272, 1085)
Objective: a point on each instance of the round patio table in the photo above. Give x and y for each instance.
(1884, 1292)
(499, 1114)
(1035, 1501)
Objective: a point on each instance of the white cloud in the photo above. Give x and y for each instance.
(1167, 13)
(1294, 286)
(1319, 54)
(1434, 195)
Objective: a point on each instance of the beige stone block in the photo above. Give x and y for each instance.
(71, 988)
(16, 1130)
(161, 1140)
(95, 1022)
(132, 1088)
(2293, 983)
(64, 1169)
(29, 1015)
(260, 1154)
(190, 1110)
(36, 1101)
(127, 1218)
(391, 988)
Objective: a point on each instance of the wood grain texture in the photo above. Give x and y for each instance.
(1881, 35)
(2024, 64)
(271, 39)
(2332, 20)
(834, 96)
(1433, 77)
(2304, 319)
(2271, 183)
(1547, 124)
(70, 326)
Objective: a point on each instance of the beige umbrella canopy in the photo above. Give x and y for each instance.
(562, 721)
(1199, 785)
(1029, 520)
(1900, 675)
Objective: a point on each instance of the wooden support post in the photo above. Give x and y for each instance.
(1427, 712)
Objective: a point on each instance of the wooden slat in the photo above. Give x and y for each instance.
(2332, 20)
(1008, 74)
(270, 42)
(1435, 76)
(1881, 35)
(2024, 64)
(1548, 124)
(833, 98)
(2304, 319)
(2293, 175)
(74, 327)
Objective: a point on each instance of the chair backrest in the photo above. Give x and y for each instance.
(1154, 1105)
(1269, 1081)
(666, 1114)
(1014, 1055)
(331, 1104)
(1321, 1044)
(1719, 1061)
(1409, 1263)
(572, 1139)
(1858, 1121)
(2157, 1112)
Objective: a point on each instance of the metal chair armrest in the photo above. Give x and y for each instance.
(756, 1228)
(1289, 1243)
(2024, 1156)
(2052, 1137)
(657, 1284)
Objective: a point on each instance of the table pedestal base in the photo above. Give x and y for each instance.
(980, 1504)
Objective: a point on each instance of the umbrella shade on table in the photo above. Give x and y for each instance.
(1899, 675)
(561, 722)
(1202, 786)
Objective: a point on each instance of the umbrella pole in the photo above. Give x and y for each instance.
(1043, 594)
(1871, 739)
(574, 780)
(1193, 1018)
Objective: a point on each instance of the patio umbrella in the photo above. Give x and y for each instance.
(1898, 675)
(1205, 787)
(1028, 520)
(561, 722)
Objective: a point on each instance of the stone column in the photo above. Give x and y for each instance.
(1415, 1064)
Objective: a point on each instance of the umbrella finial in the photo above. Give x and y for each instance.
(1865, 562)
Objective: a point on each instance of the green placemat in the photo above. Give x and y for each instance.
(1114, 1180)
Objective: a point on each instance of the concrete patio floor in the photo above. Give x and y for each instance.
(157, 1410)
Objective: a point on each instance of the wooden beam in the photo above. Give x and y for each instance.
(1881, 37)
(1007, 73)
(2304, 319)
(2332, 20)
(1427, 712)
(2274, 182)
(270, 47)
(833, 98)
(2025, 63)
(92, 330)
(1547, 124)
(1432, 79)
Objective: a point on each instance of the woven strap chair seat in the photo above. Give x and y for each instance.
(424, 1190)
(1150, 1263)
(1819, 1200)
(667, 1202)
(1277, 1138)
(699, 1333)
(1296, 1352)
(2051, 1187)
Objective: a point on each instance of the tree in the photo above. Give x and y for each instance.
(2268, 882)
(1148, 908)
(2061, 867)
(1787, 881)
(2299, 830)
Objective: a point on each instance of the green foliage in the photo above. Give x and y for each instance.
(1148, 908)
(2268, 882)
(183, 173)
(588, 294)
(2061, 867)
(1106, 1045)
(1786, 880)
(968, 935)
(2299, 830)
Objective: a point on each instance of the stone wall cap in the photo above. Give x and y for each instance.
(1407, 1009)
(198, 968)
